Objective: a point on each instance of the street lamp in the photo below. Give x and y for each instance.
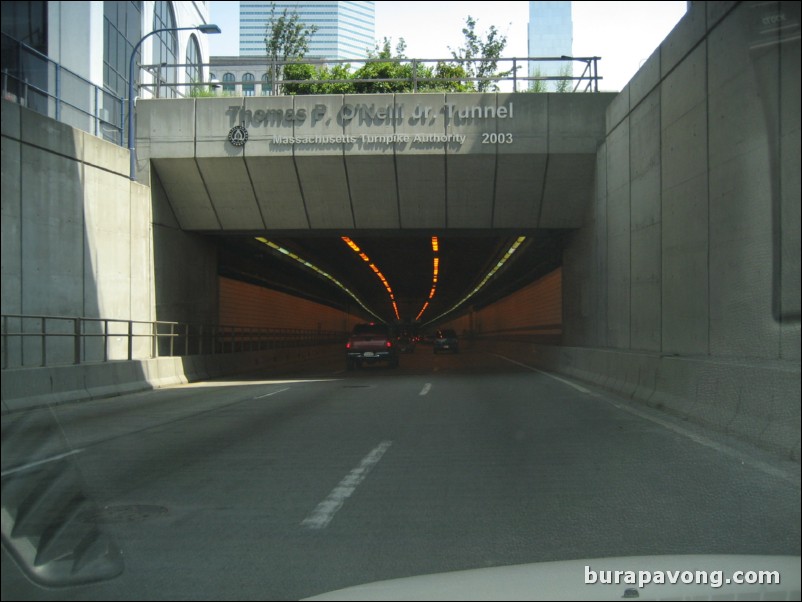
(207, 28)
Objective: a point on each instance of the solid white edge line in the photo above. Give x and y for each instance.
(426, 388)
(562, 380)
(321, 516)
(273, 393)
(702, 440)
(11, 471)
(696, 438)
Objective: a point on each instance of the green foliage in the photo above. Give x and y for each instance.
(379, 71)
(299, 71)
(385, 65)
(537, 85)
(338, 72)
(385, 52)
(202, 91)
(488, 49)
(409, 72)
(286, 38)
(562, 85)
(453, 72)
(317, 79)
(384, 70)
(565, 85)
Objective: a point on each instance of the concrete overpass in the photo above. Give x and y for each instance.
(368, 162)
(392, 165)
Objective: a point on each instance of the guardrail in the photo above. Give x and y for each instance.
(42, 341)
(270, 83)
(32, 80)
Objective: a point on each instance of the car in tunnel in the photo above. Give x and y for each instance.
(446, 340)
(369, 344)
(405, 343)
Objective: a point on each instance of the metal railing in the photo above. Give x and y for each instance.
(43, 341)
(32, 80)
(416, 81)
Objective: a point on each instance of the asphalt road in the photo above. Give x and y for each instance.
(264, 488)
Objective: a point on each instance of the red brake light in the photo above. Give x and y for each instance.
(348, 345)
(389, 343)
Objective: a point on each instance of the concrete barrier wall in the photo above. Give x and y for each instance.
(80, 239)
(682, 288)
(745, 399)
(692, 246)
(185, 266)
(76, 231)
(34, 387)
(316, 162)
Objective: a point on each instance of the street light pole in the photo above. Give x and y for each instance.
(208, 28)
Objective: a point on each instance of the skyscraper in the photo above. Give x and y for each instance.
(551, 34)
(344, 29)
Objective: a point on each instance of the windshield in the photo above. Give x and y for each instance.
(374, 329)
(317, 323)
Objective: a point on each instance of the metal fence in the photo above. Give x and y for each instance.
(270, 83)
(34, 81)
(42, 341)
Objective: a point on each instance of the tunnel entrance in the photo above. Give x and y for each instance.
(405, 279)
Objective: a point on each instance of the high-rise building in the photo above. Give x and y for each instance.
(551, 34)
(90, 44)
(345, 30)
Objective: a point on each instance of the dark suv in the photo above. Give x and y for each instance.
(446, 340)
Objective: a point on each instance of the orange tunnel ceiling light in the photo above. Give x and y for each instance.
(362, 255)
(435, 274)
(351, 244)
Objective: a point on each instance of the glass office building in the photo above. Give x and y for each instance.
(89, 45)
(551, 34)
(344, 29)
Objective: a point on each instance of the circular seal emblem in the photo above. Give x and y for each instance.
(238, 135)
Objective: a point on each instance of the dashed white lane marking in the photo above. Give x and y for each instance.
(273, 393)
(325, 511)
(426, 388)
(24, 467)
(562, 380)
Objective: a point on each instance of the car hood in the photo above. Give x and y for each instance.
(566, 580)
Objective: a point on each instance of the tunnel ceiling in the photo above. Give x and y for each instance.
(389, 171)
(406, 262)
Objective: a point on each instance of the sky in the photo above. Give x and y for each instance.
(623, 34)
